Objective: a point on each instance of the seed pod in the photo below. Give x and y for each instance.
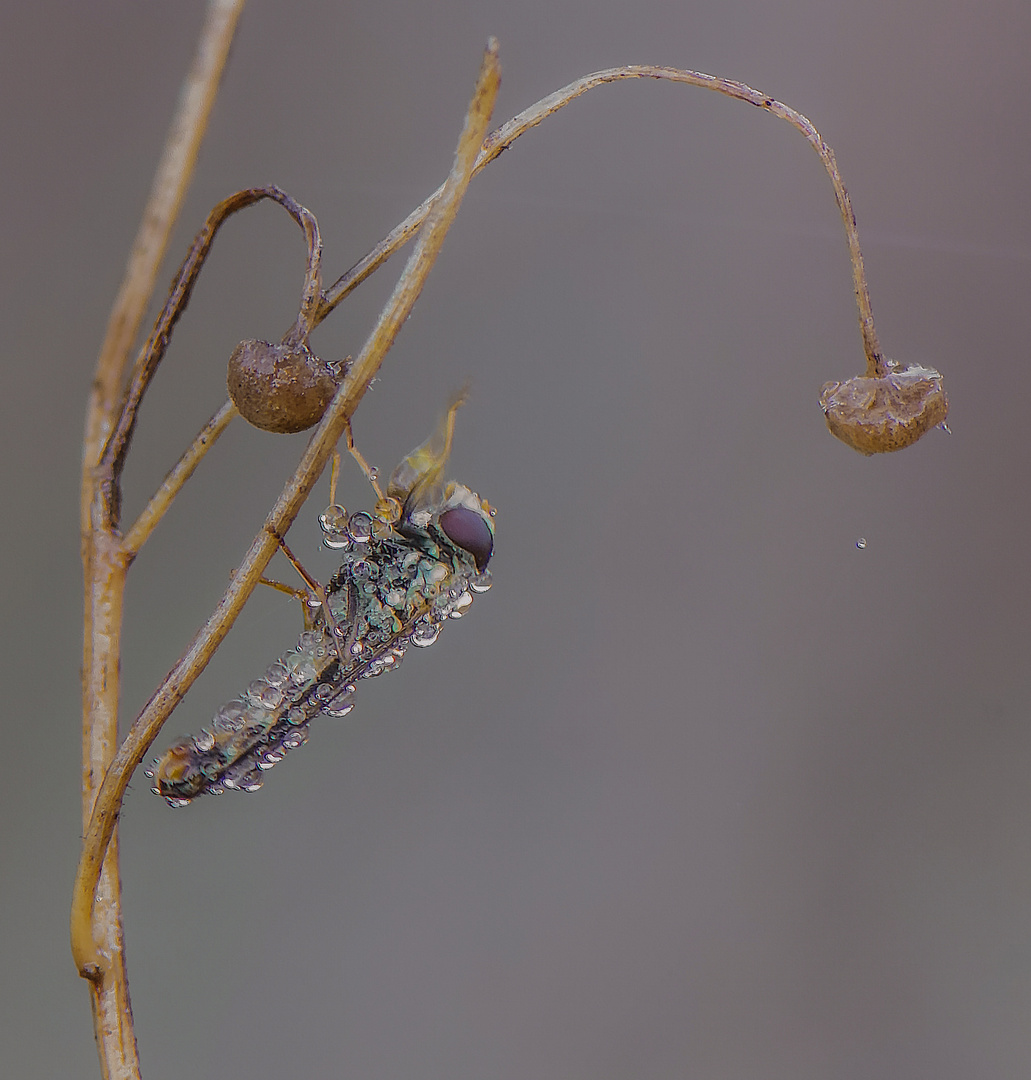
(279, 388)
(876, 415)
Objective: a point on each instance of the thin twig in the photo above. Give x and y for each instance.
(104, 564)
(172, 484)
(502, 138)
(147, 725)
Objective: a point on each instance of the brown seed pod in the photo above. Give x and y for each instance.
(876, 415)
(280, 388)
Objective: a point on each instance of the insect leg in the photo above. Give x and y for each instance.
(365, 467)
(320, 594)
(334, 474)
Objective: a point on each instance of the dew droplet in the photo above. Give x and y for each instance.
(230, 717)
(482, 582)
(295, 738)
(341, 705)
(322, 693)
(861, 543)
(309, 642)
(361, 570)
(359, 527)
(333, 519)
(277, 674)
(424, 634)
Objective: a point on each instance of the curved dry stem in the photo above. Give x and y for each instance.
(311, 293)
(107, 555)
(113, 457)
(171, 180)
(103, 563)
(502, 138)
(147, 725)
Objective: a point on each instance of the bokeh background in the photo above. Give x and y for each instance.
(701, 788)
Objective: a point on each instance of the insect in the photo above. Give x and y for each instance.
(407, 568)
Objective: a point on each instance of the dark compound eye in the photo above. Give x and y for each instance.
(466, 529)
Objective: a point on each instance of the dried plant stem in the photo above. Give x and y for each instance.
(502, 138)
(104, 563)
(147, 725)
(106, 553)
(172, 484)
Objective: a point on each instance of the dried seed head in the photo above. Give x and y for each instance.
(876, 415)
(279, 388)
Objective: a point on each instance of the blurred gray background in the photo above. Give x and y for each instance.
(700, 789)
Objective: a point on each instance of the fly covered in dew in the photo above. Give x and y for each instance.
(407, 568)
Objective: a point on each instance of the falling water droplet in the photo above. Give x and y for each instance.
(861, 543)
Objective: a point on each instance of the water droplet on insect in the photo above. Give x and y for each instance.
(424, 634)
(861, 543)
(482, 582)
(333, 519)
(295, 738)
(322, 693)
(276, 674)
(359, 527)
(229, 718)
(361, 570)
(341, 705)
